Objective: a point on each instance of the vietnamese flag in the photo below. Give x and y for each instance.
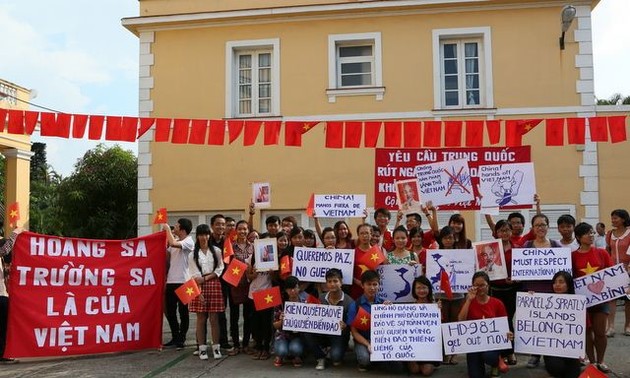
(514, 130)
(592, 372)
(293, 131)
(234, 272)
(312, 299)
(373, 257)
(14, 214)
(267, 298)
(286, 265)
(361, 320)
(445, 284)
(310, 206)
(188, 291)
(161, 216)
(228, 249)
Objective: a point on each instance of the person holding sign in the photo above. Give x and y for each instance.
(328, 238)
(364, 231)
(243, 251)
(422, 292)
(400, 254)
(261, 319)
(586, 260)
(479, 305)
(618, 245)
(288, 343)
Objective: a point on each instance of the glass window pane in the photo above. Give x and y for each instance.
(452, 98)
(470, 50)
(472, 81)
(450, 82)
(264, 60)
(245, 76)
(472, 65)
(349, 51)
(264, 90)
(245, 107)
(244, 91)
(350, 68)
(450, 50)
(352, 80)
(264, 106)
(472, 98)
(450, 67)
(244, 61)
(264, 75)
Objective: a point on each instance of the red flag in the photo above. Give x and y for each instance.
(252, 128)
(30, 121)
(393, 134)
(555, 132)
(161, 216)
(372, 130)
(494, 131)
(310, 206)
(228, 248)
(616, 126)
(432, 133)
(413, 134)
(235, 127)
(129, 129)
(361, 320)
(474, 133)
(198, 131)
(576, 130)
(145, 125)
(181, 130)
(599, 129)
(95, 128)
(294, 130)
(14, 214)
(264, 299)
(163, 129)
(188, 291)
(234, 272)
(16, 122)
(272, 132)
(453, 133)
(79, 123)
(63, 125)
(286, 265)
(445, 284)
(515, 129)
(334, 134)
(3, 118)
(113, 128)
(591, 371)
(353, 134)
(312, 299)
(217, 133)
(373, 257)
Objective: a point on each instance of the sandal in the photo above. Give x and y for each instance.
(450, 361)
(603, 368)
(297, 362)
(264, 355)
(277, 362)
(234, 352)
(511, 360)
(257, 355)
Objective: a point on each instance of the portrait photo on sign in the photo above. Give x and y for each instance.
(266, 254)
(261, 194)
(408, 195)
(490, 258)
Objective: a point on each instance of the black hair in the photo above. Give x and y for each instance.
(241, 222)
(185, 224)
(204, 229)
(291, 282)
(500, 224)
(461, 241)
(384, 211)
(229, 219)
(400, 229)
(481, 274)
(369, 275)
(415, 216)
(327, 230)
(338, 225)
(567, 278)
(566, 219)
(424, 281)
(623, 214)
(582, 229)
(334, 272)
(416, 231)
(215, 217)
(543, 216)
(517, 215)
(296, 230)
(309, 234)
(444, 232)
(272, 219)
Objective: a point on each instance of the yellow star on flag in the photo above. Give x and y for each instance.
(159, 216)
(283, 266)
(236, 271)
(364, 320)
(589, 269)
(306, 127)
(374, 257)
(269, 298)
(528, 127)
(363, 268)
(189, 291)
(13, 214)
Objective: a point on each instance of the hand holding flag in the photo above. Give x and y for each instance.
(161, 216)
(14, 214)
(373, 257)
(361, 320)
(268, 298)
(234, 272)
(188, 291)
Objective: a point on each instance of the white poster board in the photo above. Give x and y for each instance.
(507, 184)
(476, 335)
(490, 258)
(445, 182)
(459, 264)
(266, 254)
(397, 281)
(538, 264)
(550, 324)
(312, 318)
(408, 196)
(311, 264)
(603, 286)
(339, 205)
(406, 332)
(261, 195)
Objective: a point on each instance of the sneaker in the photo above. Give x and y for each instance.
(179, 346)
(603, 368)
(203, 352)
(170, 344)
(196, 352)
(297, 362)
(277, 362)
(217, 354)
(321, 364)
(533, 361)
(227, 347)
(610, 332)
(494, 373)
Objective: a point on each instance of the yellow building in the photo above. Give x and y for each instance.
(17, 151)
(347, 60)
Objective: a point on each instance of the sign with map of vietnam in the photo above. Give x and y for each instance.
(504, 185)
(397, 281)
(445, 183)
(459, 264)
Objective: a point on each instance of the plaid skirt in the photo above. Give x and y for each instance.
(211, 298)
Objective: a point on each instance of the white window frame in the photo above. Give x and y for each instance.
(376, 89)
(232, 49)
(483, 35)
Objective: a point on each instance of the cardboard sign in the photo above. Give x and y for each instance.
(476, 335)
(408, 196)
(459, 264)
(490, 258)
(312, 318)
(445, 183)
(311, 264)
(261, 195)
(507, 184)
(550, 324)
(406, 332)
(397, 281)
(339, 205)
(538, 264)
(603, 286)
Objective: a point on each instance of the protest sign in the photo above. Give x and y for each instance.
(603, 285)
(476, 335)
(550, 324)
(339, 205)
(538, 264)
(397, 281)
(445, 183)
(459, 264)
(312, 318)
(406, 332)
(490, 258)
(82, 296)
(391, 165)
(261, 195)
(266, 254)
(408, 196)
(311, 264)
(507, 184)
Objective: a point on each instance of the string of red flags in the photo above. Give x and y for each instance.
(338, 134)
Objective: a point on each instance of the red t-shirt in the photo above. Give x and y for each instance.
(594, 259)
(519, 241)
(494, 308)
(388, 241)
(356, 290)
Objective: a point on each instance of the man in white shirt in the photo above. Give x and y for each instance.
(600, 238)
(177, 274)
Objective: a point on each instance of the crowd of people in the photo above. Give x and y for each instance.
(592, 250)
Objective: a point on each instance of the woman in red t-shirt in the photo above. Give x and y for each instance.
(586, 260)
(364, 235)
(618, 245)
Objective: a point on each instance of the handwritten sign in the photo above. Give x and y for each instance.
(539, 264)
(406, 332)
(476, 335)
(396, 281)
(445, 183)
(458, 263)
(339, 205)
(550, 324)
(311, 264)
(312, 318)
(603, 286)
(507, 184)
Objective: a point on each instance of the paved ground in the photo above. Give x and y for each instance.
(181, 364)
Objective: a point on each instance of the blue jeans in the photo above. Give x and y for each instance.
(363, 354)
(477, 362)
(285, 348)
(338, 345)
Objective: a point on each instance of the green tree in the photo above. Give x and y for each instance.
(615, 99)
(99, 199)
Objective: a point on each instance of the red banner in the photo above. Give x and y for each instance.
(399, 164)
(83, 296)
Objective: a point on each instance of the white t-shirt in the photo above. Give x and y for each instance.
(178, 270)
(207, 262)
(573, 246)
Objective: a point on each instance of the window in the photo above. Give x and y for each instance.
(354, 65)
(462, 68)
(253, 78)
